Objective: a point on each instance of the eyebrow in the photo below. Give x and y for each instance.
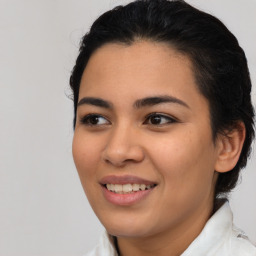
(95, 102)
(151, 101)
(148, 101)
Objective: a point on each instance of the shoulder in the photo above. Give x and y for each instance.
(240, 245)
(220, 237)
(235, 242)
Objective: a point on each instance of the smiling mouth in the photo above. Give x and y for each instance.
(127, 188)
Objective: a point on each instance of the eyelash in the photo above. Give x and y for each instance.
(160, 116)
(88, 119)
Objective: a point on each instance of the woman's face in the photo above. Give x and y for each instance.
(143, 145)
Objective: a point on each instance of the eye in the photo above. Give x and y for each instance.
(159, 119)
(94, 120)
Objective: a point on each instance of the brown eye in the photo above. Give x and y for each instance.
(94, 120)
(155, 119)
(159, 119)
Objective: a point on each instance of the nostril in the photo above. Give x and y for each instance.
(116, 163)
(123, 155)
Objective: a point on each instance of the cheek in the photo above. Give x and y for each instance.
(86, 154)
(184, 158)
(186, 174)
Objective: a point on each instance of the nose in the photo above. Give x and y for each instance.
(123, 147)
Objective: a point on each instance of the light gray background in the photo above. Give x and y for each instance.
(43, 211)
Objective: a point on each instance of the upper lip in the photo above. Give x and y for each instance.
(125, 179)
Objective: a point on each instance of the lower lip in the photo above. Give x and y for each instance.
(125, 199)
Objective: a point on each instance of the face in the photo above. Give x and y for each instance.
(143, 144)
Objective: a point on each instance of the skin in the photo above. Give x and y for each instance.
(178, 153)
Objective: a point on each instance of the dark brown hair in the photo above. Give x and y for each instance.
(219, 63)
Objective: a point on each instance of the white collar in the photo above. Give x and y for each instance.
(216, 230)
(219, 237)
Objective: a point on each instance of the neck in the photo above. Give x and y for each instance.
(172, 242)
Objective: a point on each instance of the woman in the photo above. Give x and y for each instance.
(163, 126)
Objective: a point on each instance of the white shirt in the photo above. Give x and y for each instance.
(218, 238)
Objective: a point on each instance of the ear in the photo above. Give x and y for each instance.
(229, 147)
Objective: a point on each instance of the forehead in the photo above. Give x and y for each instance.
(144, 67)
(140, 55)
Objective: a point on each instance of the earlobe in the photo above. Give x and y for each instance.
(229, 146)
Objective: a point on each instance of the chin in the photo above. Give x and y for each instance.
(127, 232)
(128, 228)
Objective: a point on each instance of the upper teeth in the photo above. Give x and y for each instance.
(127, 188)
